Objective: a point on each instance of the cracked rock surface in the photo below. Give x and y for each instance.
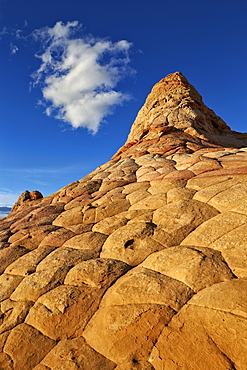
(142, 264)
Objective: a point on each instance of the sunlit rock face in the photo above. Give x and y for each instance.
(173, 102)
(142, 264)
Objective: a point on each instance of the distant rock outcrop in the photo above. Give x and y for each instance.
(141, 264)
(26, 196)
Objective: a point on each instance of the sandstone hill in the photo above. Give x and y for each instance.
(142, 264)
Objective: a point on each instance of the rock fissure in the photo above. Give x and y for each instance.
(244, 316)
(233, 366)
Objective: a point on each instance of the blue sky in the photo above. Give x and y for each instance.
(74, 73)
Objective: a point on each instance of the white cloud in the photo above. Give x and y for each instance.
(13, 48)
(4, 31)
(79, 75)
(7, 198)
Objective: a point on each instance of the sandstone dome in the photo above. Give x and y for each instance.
(142, 264)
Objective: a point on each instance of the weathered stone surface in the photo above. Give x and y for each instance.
(202, 329)
(7, 222)
(142, 285)
(137, 195)
(179, 218)
(38, 283)
(38, 217)
(109, 185)
(57, 238)
(141, 264)
(8, 283)
(27, 264)
(89, 214)
(73, 354)
(205, 166)
(197, 267)
(70, 217)
(104, 198)
(41, 367)
(230, 198)
(179, 175)
(233, 248)
(65, 257)
(10, 254)
(92, 241)
(224, 195)
(151, 202)
(64, 311)
(163, 186)
(233, 160)
(211, 230)
(109, 224)
(202, 182)
(135, 366)
(5, 235)
(126, 333)
(80, 228)
(142, 215)
(82, 200)
(32, 347)
(136, 186)
(173, 195)
(32, 237)
(242, 208)
(5, 362)
(111, 208)
(226, 233)
(186, 345)
(49, 273)
(96, 273)
(14, 313)
(131, 244)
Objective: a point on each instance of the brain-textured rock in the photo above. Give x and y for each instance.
(142, 264)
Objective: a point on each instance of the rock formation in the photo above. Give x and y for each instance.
(142, 264)
(25, 197)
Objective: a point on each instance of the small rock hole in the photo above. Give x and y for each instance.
(129, 244)
(145, 132)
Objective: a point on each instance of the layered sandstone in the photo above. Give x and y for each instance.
(141, 264)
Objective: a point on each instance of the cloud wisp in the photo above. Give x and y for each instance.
(13, 48)
(46, 176)
(7, 197)
(78, 75)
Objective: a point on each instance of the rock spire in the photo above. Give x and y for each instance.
(175, 105)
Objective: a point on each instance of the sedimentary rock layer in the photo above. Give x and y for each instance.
(141, 264)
